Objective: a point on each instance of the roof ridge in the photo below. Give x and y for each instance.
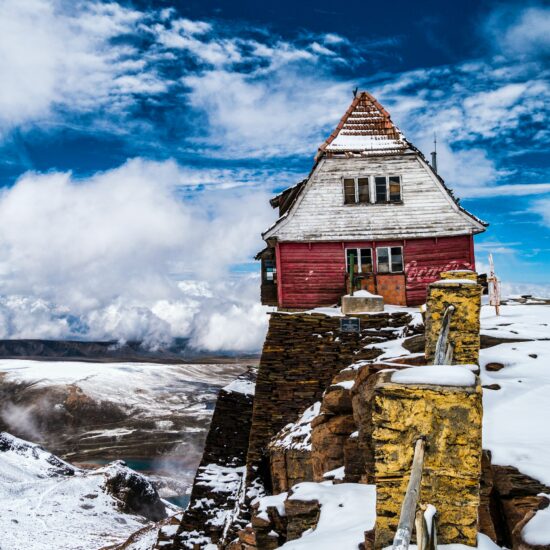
(365, 127)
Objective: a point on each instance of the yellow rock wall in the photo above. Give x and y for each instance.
(464, 327)
(450, 419)
(459, 274)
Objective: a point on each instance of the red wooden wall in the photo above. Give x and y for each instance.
(313, 274)
(425, 259)
(310, 274)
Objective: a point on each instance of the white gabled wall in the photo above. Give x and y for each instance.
(319, 214)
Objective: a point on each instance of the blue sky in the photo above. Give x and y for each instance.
(188, 115)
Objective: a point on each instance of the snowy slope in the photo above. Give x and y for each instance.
(48, 504)
(515, 423)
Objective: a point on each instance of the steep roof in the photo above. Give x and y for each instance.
(365, 128)
(367, 140)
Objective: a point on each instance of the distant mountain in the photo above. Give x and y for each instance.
(76, 350)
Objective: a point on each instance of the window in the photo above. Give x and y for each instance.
(356, 190)
(389, 259)
(395, 189)
(380, 183)
(269, 270)
(349, 191)
(362, 259)
(363, 190)
(388, 189)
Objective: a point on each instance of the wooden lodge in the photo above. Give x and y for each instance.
(371, 201)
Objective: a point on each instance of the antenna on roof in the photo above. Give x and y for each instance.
(434, 155)
(355, 92)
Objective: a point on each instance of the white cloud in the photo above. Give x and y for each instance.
(283, 113)
(60, 56)
(520, 30)
(102, 258)
(541, 208)
(481, 111)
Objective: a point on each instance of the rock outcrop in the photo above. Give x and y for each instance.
(219, 481)
(135, 493)
(302, 353)
(290, 452)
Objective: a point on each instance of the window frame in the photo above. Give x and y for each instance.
(388, 195)
(390, 261)
(372, 192)
(357, 250)
(265, 271)
(356, 189)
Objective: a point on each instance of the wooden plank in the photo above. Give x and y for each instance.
(403, 534)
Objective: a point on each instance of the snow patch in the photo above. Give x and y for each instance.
(347, 511)
(438, 375)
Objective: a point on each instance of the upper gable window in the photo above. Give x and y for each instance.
(356, 190)
(388, 188)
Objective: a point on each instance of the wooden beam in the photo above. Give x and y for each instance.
(403, 534)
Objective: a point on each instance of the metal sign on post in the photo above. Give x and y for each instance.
(350, 324)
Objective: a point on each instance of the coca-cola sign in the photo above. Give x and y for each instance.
(421, 273)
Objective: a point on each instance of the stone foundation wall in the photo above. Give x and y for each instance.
(302, 352)
(450, 419)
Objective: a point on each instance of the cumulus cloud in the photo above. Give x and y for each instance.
(281, 115)
(513, 190)
(102, 257)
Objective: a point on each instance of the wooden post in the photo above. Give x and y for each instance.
(351, 273)
(421, 530)
(494, 286)
(443, 356)
(403, 534)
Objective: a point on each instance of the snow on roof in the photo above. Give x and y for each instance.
(366, 127)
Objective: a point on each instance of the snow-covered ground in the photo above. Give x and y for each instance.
(138, 387)
(117, 405)
(515, 421)
(514, 427)
(47, 504)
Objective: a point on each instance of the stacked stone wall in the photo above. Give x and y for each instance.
(301, 354)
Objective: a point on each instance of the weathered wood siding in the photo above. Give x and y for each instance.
(425, 259)
(314, 274)
(320, 214)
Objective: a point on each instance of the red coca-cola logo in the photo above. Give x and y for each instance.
(432, 272)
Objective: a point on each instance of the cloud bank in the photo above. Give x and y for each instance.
(118, 255)
(153, 250)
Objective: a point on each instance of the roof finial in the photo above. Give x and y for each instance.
(355, 92)
(434, 154)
